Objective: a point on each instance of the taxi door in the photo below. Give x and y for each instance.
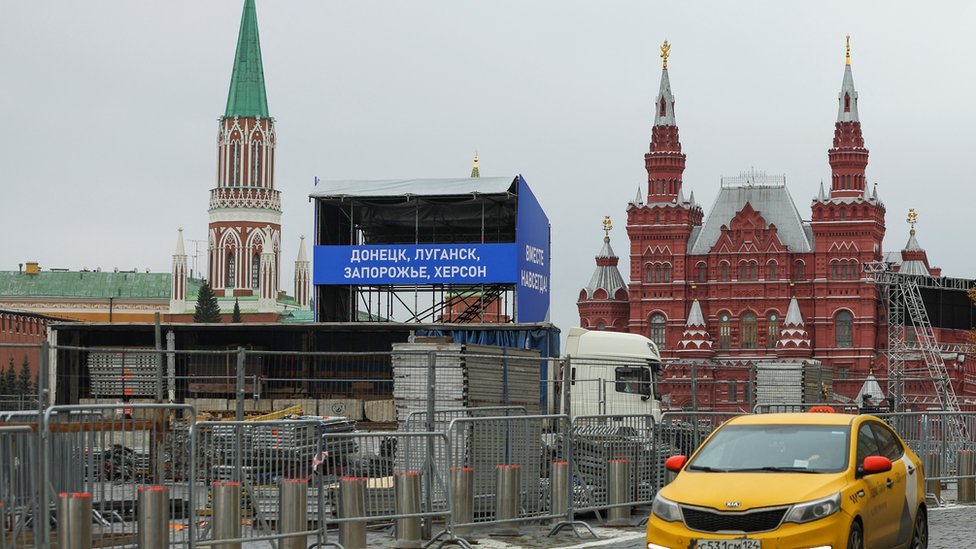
(901, 481)
(880, 507)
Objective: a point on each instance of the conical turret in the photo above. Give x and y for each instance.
(177, 295)
(247, 96)
(603, 304)
(695, 340)
(794, 341)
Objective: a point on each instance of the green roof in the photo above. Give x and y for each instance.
(85, 284)
(247, 96)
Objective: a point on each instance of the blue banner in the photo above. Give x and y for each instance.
(532, 238)
(415, 264)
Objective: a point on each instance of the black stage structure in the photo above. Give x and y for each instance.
(411, 214)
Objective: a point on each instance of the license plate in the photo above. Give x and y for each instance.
(741, 543)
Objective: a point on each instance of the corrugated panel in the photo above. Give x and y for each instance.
(115, 374)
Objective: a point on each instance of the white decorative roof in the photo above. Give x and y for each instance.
(847, 88)
(180, 250)
(606, 276)
(665, 93)
(870, 387)
(793, 316)
(302, 257)
(695, 317)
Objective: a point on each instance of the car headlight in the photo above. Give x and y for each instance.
(814, 510)
(665, 509)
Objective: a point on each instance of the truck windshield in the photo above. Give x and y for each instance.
(776, 448)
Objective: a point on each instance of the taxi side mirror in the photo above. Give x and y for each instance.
(675, 463)
(875, 464)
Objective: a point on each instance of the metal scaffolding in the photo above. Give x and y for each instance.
(913, 352)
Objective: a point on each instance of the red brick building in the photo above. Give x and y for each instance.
(750, 281)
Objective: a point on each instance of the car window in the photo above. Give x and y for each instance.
(805, 448)
(889, 445)
(867, 445)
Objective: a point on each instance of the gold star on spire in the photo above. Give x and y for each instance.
(912, 218)
(665, 52)
(848, 49)
(607, 226)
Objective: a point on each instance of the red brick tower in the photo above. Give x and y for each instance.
(659, 230)
(245, 208)
(848, 227)
(603, 303)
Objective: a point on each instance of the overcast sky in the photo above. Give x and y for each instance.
(109, 112)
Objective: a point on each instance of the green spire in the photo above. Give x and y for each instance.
(247, 96)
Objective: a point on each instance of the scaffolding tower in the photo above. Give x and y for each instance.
(913, 353)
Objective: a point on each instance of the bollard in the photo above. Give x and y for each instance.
(934, 469)
(559, 488)
(966, 467)
(462, 492)
(618, 491)
(407, 488)
(293, 512)
(74, 521)
(508, 485)
(352, 504)
(226, 513)
(153, 517)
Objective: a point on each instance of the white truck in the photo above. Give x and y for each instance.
(612, 373)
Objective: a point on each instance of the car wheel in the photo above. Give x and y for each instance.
(920, 533)
(855, 539)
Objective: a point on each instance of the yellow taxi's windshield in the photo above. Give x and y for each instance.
(775, 448)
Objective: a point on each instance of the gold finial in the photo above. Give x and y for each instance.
(475, 172)
(912, 218)
(665, 51)
(848, 49)
(607, 226)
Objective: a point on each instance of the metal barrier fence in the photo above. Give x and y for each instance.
(600, 441)
(254, 457)
(515, 453)
(109, 453)
(19, 454)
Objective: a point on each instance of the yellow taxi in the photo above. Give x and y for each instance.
(805, 480)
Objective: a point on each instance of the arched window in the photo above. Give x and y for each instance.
(798, 270)
(847, 102)
(663, 111)
(723, 270)
(748, 270)
(255, 270)
(255, 163)
(702, 272)
(771, 270)
(772, 330)
(231, 270)
(724, 331)
(658, 330)
(748, 333)
(844, 328)
(666, 272)
(235, 163)
(657, 215)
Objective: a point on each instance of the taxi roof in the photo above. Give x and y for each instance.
(808, 418)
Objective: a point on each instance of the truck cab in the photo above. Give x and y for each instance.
(612, 373)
